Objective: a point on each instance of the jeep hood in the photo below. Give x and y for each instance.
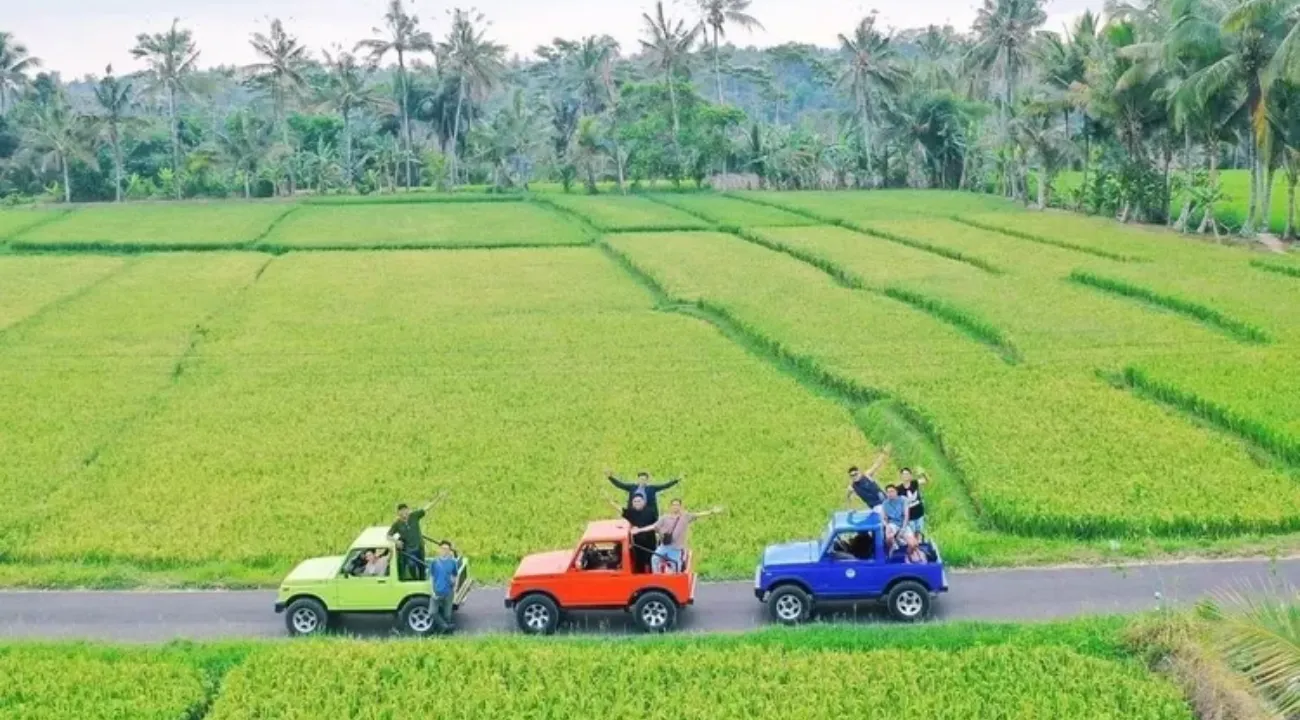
(791, 553)
(314, 570)
(547, 563)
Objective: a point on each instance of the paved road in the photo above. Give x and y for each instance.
(1027, 594)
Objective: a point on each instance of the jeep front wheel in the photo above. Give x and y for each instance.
(789, 605)
(537, 615)
(306, 616)
(909, 601)
(655, 612)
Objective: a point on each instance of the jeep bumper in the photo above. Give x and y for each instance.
(760, 593)
(279, 608)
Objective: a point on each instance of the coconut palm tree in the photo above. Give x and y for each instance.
(716, 14)
(669, 45)
(15, 63)
(281, 71)
(348, 88)
(1259, 634)
(244, 142)
(475, 62)
(171, 57)
(115, 98)
(1004, 45)
(59, 135)
(403, 37)
(872, 72)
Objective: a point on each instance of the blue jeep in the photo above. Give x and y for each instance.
(849, 563)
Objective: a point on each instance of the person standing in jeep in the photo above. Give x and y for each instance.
(643, 487)
(674, 529)
(864, 485)
(405, 530)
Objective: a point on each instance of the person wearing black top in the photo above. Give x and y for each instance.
(643, 488)
(910, 487)
(643, 543)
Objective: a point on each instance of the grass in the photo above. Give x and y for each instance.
(159, 226)
(424, 225)
(1007, 229)
(1081, 668)
(29, 285)
(723, 210)
(15, 220)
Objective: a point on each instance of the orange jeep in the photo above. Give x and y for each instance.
(597, 576)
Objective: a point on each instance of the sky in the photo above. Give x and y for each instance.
(80, 37)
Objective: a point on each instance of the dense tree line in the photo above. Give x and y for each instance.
(1149, 101)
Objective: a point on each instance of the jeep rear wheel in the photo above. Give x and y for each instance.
(909, 601)
(537, 615)
(415, 617)
(306, 616)
(789, 605)
(655, 612)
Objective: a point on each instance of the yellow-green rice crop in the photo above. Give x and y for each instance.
(343, 383)
(61, 682)
(1042, 451)
(731, 211)
(425, 225)
(868, 206)
(580, 680)
(15, 220)
(78, 378)
(624, 212)
(195, 225)
(29, 284)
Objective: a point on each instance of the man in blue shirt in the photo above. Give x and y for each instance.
(864, 484)
(442, 575)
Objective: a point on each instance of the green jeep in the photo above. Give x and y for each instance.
(320, 589)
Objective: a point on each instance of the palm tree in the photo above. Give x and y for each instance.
(669, 46)
(593, 59)
(60, 135)
(1004, 35)
(14, 65)
(404, 37)
(1259, 634)
(171, 57)
(348, 88)
(282, 67)
(476, 63)
(245, 142)
(716, 14)
(115, 98)
(872, 72)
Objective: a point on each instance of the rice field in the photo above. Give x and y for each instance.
(155, 225)
(433, 224)
(1078, 669)
(1079, 390)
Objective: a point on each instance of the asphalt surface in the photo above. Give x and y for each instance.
(1021, 595)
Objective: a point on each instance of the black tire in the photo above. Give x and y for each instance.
(789, 605)
(655, 612)
(415, 618)
(537, 615)
(908, 601)
(306, 616)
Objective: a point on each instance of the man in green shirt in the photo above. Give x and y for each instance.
(410, 541)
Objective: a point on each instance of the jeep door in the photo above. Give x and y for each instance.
(362, 593)
(598, 587)
(845, 576)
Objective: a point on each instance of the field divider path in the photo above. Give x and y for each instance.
(590, 229)
(1062, 244)
(966, 322)
(904, 424)
(913, 243)
(1197, 312)
(1275, 268)
(270, 228)
(1222, 418)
